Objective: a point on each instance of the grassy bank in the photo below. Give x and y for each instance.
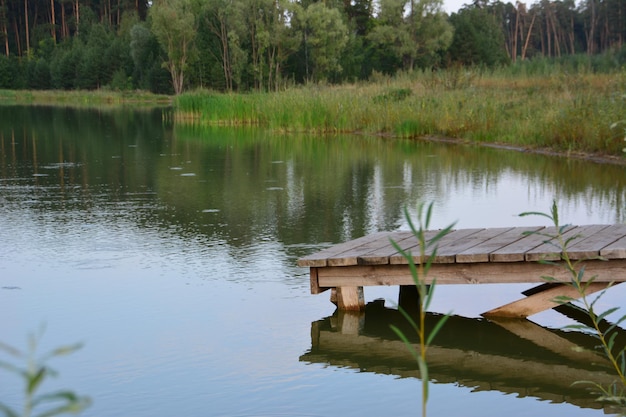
(82, 98)
(557, 111)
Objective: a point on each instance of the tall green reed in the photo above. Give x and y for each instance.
(419, 265)
(569, 112)
(33, 374)
(606, 335)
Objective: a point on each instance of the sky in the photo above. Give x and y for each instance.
(452, 6)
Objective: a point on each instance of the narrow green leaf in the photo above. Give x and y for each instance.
(429, 212)
(534, 213)
(70, 408)
(437, 328)
(581, 327)
(36, 380)
(408, 318)
(607, 312)
(611, 341)
(65, 350)
(11, 368)
(562, 299)
(408, 344)
(621, 319)
(572, 238)
(7, 411)
(409, 221)
(429, 295)
(68, 396)
(10, 350)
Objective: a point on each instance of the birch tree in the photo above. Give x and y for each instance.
(174, 25)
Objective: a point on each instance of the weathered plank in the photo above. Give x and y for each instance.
(319, 259)
(380, 256)
(412, 246)
(446, 247)
(516, 251)
(551, 251)
(590, 244)
(494, 239)
(351, 256)
(470, 273)
(617, 249)
(541, 301)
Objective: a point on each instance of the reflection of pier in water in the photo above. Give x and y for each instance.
(510, 356)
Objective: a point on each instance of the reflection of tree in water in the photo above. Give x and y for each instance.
(246, 185)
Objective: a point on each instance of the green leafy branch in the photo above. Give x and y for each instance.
(607, 335)
(419, 272)
(33, 374)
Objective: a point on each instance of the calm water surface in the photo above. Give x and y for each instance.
(170, 253)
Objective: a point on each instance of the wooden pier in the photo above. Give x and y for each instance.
(473, 256)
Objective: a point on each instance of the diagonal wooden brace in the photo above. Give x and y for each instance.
(542, 298)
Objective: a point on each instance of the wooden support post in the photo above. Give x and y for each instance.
(348, 322)
(315, 288)
(350, 298)
(409, 298)
(541, 298)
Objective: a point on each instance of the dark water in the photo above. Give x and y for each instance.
(170, 253)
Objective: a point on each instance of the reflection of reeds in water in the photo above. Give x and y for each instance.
(512, 356)
(567, 114)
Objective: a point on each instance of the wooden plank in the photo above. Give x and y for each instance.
(318, 259)
(454, 241)
(590, 245)
(515, 252)
(412, 246)
(380, 256)
(351, 256)
(459, 245)
(315, 288)
(617, 249)
(551, 251)
(445, 247)
(482, 251)
(471, 273)
(541, 301)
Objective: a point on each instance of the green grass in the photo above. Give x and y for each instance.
(554, 110)
(559, 106)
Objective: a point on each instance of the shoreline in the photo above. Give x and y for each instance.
(582, 156)
(139, 99)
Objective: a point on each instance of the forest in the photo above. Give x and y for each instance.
(168, 46)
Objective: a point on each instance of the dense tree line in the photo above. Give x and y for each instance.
(169, 45)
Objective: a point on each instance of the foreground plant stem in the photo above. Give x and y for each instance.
(419, 273)
(576, 271)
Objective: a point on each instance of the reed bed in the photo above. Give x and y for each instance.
(554, 110)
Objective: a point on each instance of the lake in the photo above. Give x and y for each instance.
(170, 253)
